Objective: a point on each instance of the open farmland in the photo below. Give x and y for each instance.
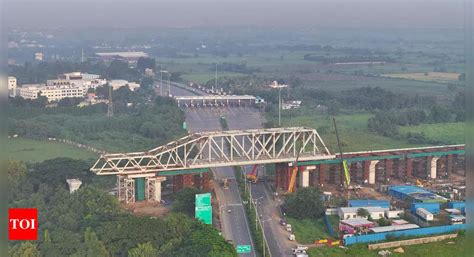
(441, 77)
(30, 150)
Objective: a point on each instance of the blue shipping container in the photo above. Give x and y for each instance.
(370, 238)
(431, 207)
(369, 203)
(457, 205)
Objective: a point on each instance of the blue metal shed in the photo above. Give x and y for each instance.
(431, 207)
(369, 203)
(457, 205)
(414, 194)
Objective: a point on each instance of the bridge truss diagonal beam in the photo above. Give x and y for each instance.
(219, 149)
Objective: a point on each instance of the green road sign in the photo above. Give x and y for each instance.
(243, 248)
(203, 199)
(204, 214)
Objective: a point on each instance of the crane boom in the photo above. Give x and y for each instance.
(344, 163)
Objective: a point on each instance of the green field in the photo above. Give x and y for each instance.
(307, 231)
(448, 133)
(441, 249)
(30, 150)
(353, 132)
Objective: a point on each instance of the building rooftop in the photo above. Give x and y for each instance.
(393, 228)
(368, 202)
(357, 222)
(417, 193)
(368, 208)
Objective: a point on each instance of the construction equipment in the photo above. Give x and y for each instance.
(294, 172)
(422, 183)
(344, 163)
(253, 175)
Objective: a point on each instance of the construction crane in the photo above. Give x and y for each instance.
(294, 172)
(343, 161)
(253, 175)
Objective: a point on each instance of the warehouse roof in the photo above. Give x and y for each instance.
(368, 208)
(393, 228)
(368, 202)
(357, 222)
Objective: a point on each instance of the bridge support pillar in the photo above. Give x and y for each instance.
(353, 171)
(153, 188)
(432, 166)
(177, 183)
(125, 189)
(388, 169)
(372, 169)
(304, 178)
(408, 167)
(366, 171)
(449, 165)
(322, 174)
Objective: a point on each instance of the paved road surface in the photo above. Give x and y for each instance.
(234, 224)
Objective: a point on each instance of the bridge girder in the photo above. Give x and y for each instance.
(219, 149)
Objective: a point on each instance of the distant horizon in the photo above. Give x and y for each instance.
(234, 14)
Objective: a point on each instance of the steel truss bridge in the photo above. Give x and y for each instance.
(219, 149)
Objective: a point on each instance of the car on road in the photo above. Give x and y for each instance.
(229, 210)
(282, 222)
(291, 237)
(288, 227)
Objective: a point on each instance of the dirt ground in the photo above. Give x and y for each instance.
(153, 209)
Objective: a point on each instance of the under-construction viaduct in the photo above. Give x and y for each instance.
(188, 160)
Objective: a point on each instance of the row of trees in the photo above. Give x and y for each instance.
(90, 222)
(148, 122)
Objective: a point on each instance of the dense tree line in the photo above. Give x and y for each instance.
(140, 121)
(31, 73)
(90, 222)
(305, 203)
(350, 58)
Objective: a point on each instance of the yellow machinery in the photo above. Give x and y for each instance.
(294, 172)
(253, 175)
(422, 183)
(344, 163)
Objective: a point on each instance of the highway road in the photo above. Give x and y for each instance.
(234, 224)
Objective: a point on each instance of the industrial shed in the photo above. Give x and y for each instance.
(410, 193)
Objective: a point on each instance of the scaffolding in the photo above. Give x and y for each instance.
(126, 189)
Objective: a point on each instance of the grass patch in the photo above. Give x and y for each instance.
(422, 250)
(353, 131)
(307, 230)
(32, 151)
(441, 77)
(449, 133)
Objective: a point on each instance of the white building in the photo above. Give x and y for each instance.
(351, 212)
(118, 83)
(11, 86)
(53, 93)
(39, 56)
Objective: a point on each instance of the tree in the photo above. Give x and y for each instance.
(143, 250)
(144, 63)
(26, 249)
(305, 203)
(362, 212)
(185, 200)
(92, 246)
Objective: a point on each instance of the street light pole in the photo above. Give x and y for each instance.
(161, 83)
(279, 107)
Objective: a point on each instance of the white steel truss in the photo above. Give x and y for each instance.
(218, 149)
(125, 189)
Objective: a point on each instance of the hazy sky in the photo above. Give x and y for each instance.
(190, 13)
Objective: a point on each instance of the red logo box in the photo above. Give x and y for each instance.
(23, 224)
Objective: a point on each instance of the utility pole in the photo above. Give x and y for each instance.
(169, 84)
(110, 107)
(215, 87)
(161, 82)
(279, 107)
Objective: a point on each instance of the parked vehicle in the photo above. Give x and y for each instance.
(291, 237)
(282, 222)
(288, 227)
